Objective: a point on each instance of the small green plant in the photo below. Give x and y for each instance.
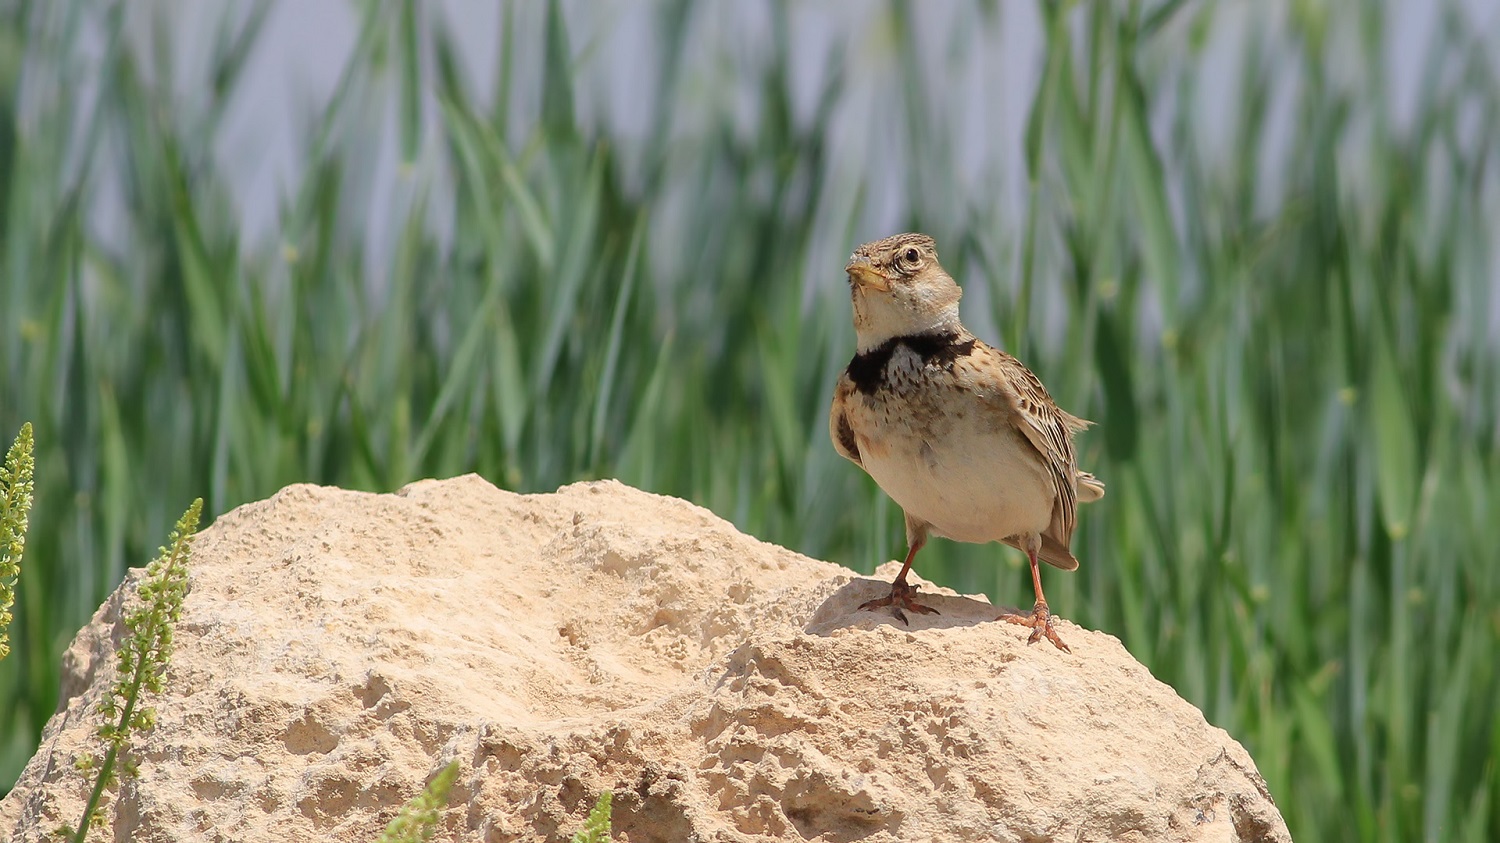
(15, 504)
(417, 820)
(142, 660)
(596, 829)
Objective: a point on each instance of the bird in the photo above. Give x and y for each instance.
(961, 435)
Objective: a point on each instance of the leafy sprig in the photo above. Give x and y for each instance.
(142, 661)
(596, 829)
(16, 486)
(417, 820)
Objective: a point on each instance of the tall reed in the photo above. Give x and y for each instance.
(1276, 296)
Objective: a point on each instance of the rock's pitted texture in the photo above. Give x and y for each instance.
(338, 648)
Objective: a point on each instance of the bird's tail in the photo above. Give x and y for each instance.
(1052, 551)
(1057, 554)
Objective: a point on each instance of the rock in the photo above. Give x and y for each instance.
(338, 648)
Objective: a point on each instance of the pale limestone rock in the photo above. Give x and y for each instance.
(338, 648)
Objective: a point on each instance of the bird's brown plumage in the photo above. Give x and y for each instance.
(962, 435)
(1030, 409)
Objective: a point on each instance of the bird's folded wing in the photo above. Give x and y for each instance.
(1018, 396)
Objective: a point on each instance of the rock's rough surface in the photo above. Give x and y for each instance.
(338, 648)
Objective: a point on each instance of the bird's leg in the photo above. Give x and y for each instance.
(902, 594)
(1040, 619)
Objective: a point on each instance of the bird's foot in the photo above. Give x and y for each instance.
(902, 596)
(1040, 621)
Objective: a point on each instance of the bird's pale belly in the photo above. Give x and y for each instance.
(967, 483)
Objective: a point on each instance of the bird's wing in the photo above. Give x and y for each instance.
(839, 429)
(1018, 396)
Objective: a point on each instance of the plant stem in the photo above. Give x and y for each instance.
(111, 754)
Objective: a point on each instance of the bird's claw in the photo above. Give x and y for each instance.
(902, 596)
(1040, 622)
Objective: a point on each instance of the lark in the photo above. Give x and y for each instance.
(962, 436)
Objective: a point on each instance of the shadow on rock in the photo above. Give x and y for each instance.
(841, 609)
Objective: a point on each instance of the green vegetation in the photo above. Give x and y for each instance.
(596, 829)
(141, 662)
(16, 486)
(1276, 297)
(417, 820)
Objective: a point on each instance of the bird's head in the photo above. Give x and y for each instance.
(899, 289)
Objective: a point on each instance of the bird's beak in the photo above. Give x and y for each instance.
(862, 273)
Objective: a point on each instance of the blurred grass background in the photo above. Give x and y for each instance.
(1277, 296)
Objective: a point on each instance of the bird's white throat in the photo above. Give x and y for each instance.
(881, 316)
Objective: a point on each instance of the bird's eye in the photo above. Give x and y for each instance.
(911, 255)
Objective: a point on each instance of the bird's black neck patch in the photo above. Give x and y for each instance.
(868, 369)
